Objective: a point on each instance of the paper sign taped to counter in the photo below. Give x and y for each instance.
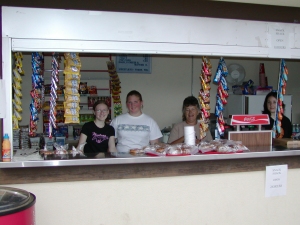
(2, 99)
(276, 179)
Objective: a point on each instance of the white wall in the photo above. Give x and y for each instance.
(233, 199)
(171, 81)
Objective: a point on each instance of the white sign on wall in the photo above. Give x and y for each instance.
(276, 178)
(133, 63)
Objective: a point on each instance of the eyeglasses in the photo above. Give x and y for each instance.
(101, 111)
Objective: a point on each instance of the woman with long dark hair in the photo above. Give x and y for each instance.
(270, 105)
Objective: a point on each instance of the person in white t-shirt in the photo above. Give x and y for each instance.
(135, 129)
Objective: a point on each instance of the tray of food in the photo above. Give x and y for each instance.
(171, 150)
(222, 146)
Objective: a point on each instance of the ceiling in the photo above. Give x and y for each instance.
(290, 3)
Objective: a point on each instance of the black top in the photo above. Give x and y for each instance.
(286, 125)
(97, 138)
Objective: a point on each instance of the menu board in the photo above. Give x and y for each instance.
(133, 63)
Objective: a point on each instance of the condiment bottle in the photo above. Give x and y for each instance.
(6, 149)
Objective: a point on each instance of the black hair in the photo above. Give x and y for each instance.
(189, 101)
(273, 94)
(136, 93)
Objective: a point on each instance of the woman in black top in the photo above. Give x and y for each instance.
(270, 104)
(98, 136)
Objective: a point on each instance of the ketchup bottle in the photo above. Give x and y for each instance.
(6, 149)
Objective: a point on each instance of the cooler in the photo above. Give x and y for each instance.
(16, 206)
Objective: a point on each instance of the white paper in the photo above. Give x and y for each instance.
(278, 40)
(2, 99)
(276, 179)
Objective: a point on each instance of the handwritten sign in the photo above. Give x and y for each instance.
(276, 178)
(133, 64)
(279, 41)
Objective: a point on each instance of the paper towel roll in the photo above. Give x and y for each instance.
(189, 135)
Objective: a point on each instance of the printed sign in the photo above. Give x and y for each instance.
(133, 64)
(257, 119)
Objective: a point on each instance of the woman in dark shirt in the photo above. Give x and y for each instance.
(270, 105)
(98, 136)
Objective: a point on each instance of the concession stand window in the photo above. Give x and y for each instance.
(134, 33)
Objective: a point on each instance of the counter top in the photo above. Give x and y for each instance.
(122, 158)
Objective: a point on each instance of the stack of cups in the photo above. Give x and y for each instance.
(189, 135)
(262, 75)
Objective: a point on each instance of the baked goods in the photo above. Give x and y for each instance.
(222, 146)
(181, 149)
(136, 151)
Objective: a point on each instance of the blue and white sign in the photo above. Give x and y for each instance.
(133, 63)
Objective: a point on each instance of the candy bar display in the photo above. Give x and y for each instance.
(17, 80)
(204, 96)
(53, 93)
(283, 72)
(115, 87)
(37, 92)
(222, 95)
(72, 93)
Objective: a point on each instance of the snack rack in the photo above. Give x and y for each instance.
(88, 76)
(252, 137)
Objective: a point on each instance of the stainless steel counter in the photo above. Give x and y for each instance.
(119, 158)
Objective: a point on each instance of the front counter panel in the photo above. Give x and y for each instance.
(123, 166)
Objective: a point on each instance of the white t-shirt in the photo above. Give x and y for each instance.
(134, 132)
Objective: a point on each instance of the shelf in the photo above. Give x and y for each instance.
(83, 95)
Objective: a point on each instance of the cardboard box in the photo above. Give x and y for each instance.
(287, 142)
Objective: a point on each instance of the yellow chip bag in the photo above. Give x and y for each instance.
(72, 55)
(71, 105)
(72, 83)
(71, 112)
(72, 77)
(73, 62)
(15, 123)
(72, 119)
(71, 70)
(17, 76)
(71, 91)
(72, 98)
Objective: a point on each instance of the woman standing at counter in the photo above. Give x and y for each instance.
(99, 136)
(190, 113)
(270, 105)
(135, 129)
